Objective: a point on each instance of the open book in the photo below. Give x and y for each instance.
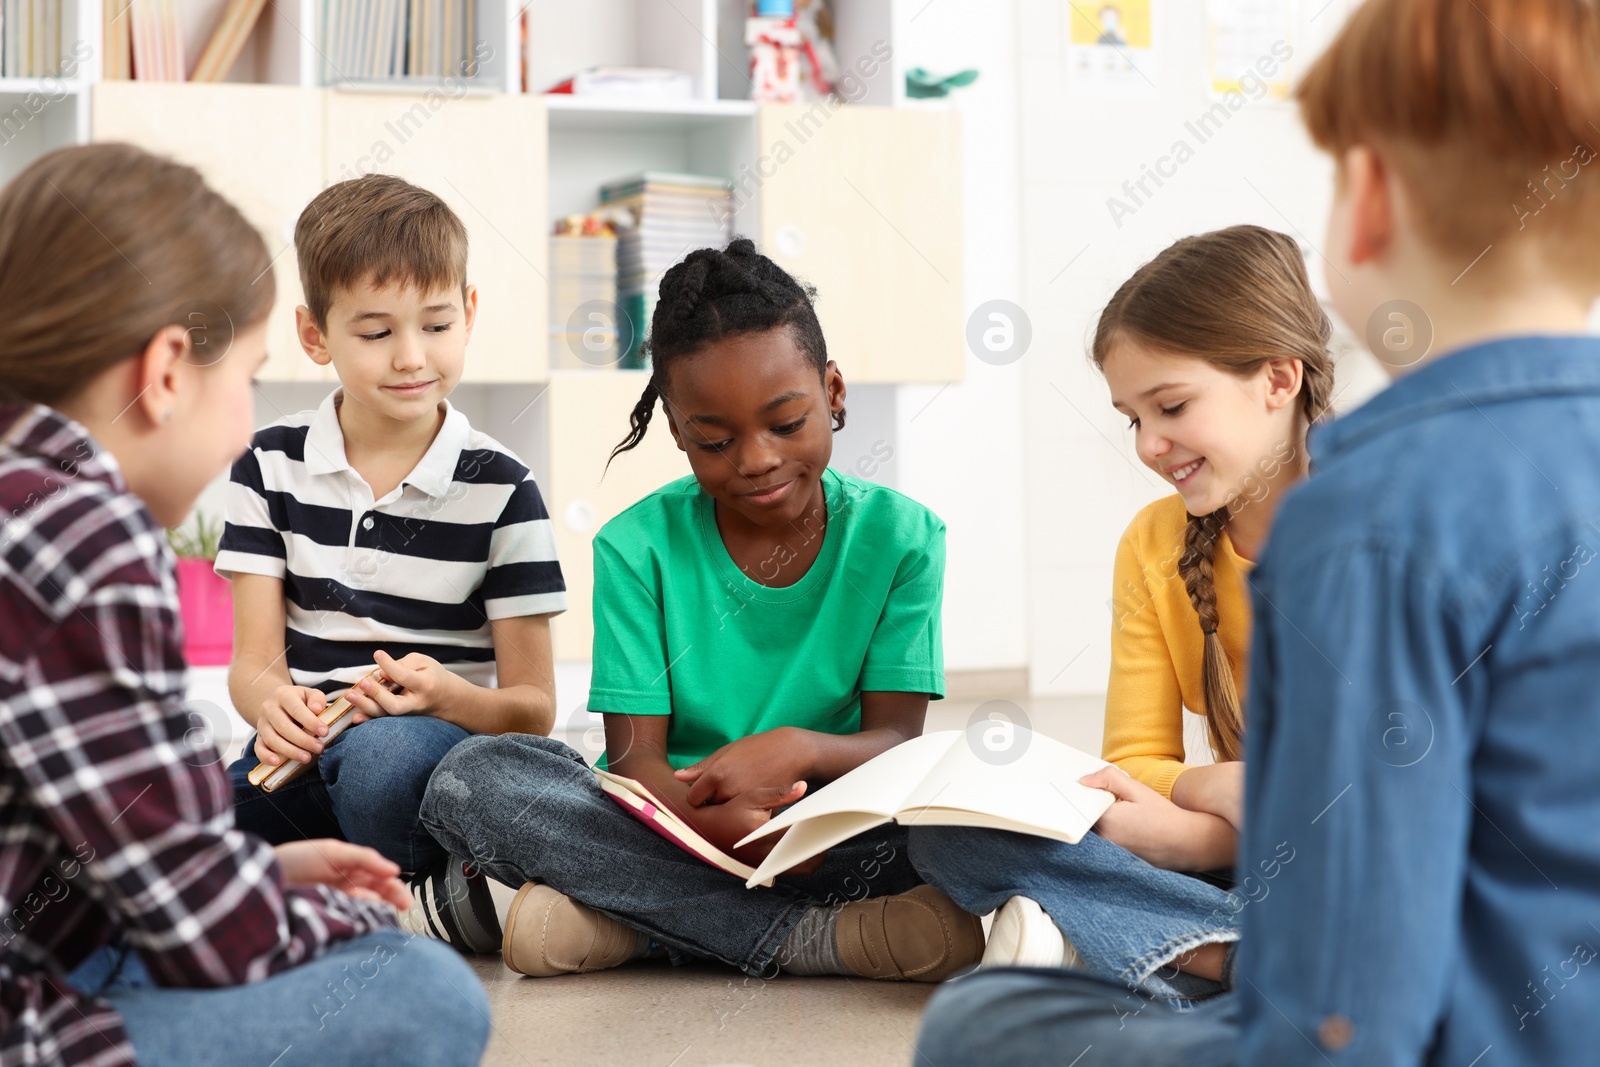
(992, 774)
(647, 809)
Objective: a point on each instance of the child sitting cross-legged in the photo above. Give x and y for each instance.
(382, 530)
(762, 626)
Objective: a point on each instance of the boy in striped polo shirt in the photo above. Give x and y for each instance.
(382, 530)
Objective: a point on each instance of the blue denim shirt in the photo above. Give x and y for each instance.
(1422, 836)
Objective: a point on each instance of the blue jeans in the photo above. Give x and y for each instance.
(1026, 1016)
(366, 787)
(1127, 919)
(381, 999)
(526, 808)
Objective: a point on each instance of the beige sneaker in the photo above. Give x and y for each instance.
(920, 936)
(1024, 936)
(549, 933)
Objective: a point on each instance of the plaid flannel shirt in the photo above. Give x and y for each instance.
(115, 812)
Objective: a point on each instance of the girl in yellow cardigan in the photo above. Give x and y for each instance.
(1217, 352)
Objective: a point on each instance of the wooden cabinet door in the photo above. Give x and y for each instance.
(865, 204)
(588, 415)
(485, 156)
(258, 145)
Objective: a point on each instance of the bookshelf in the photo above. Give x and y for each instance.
(861, 200)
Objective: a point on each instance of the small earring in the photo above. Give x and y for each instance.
(166, 416)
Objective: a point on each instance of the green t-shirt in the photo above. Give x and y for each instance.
(679, 630)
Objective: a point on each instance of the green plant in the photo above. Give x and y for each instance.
(198, 543)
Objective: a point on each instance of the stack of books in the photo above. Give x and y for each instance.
(388, 40)
(583, 298)
(30, 38)
(671, 215)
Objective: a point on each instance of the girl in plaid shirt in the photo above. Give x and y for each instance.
(133, 916)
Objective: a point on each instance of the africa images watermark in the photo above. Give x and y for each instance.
(1544, 191)
(1255, 83)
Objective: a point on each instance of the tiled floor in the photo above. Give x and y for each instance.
(652, 1015)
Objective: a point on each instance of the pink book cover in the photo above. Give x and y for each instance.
(638, 801)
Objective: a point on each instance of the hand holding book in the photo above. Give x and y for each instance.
(746, 765)
(951, 778)
(336, 719)
(728, 822)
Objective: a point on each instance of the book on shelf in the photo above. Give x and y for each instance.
(628, 83)
(228, 40)
(31, 39)
(156, 40)
(117, 41)
(398, 40)
(668, 215)
(583, 297)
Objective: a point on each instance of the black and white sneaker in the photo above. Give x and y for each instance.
(452, 903)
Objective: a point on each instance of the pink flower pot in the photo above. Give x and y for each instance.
(206, 603)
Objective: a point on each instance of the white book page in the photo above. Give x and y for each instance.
(1015, 776)
(817, 834)
(878, 787)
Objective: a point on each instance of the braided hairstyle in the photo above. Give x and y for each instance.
(1235, 298)
(715, 294)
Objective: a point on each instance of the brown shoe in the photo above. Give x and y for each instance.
(549, 933)
(920, 936)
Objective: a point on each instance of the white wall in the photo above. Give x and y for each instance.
(961, 446)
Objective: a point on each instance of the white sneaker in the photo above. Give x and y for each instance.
(1024, 936)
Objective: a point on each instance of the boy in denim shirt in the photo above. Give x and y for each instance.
(1423, 720)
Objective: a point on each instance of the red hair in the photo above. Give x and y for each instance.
(1485, 109)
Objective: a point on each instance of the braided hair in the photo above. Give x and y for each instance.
(1235, 298)
(716, 293)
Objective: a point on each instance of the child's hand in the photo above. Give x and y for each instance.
(288, 727)
(725, 824)
(745, 765)
(425, 687)
(1146, 823)
(360, 871)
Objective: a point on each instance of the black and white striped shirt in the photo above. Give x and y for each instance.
(465, 538)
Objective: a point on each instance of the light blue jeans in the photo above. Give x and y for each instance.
(1024, 1016)
(1128, 920)
(382, 999)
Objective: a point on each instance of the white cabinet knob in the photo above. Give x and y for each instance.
(580, 516)
(789, 241)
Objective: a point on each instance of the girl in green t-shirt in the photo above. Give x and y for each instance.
(761, 627)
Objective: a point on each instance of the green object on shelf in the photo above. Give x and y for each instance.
(921, 85)
(199, 542)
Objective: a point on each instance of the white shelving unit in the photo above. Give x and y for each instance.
(41, 114)
(862, 200)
